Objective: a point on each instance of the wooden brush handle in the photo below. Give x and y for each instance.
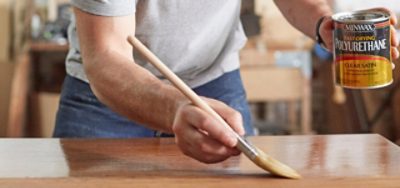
(259, 158)
(189, 93)
(243, 145)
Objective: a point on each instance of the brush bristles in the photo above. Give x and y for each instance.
(274, 166)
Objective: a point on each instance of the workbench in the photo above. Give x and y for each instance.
(324, 161)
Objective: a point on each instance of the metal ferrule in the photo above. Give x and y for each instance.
(247, 148)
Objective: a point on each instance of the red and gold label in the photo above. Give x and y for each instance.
(362, 47)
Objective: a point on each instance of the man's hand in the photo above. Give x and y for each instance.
(326, 30)
(201, 137)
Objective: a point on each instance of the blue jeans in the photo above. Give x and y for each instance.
(82, 115)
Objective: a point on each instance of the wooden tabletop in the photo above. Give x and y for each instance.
(324, 161)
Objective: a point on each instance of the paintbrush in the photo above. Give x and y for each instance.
(261, 159)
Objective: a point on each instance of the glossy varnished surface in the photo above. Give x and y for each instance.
(330, 161)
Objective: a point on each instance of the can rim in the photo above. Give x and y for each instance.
(383, 16)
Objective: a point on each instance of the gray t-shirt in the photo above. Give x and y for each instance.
(198, 39)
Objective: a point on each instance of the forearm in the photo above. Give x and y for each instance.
(133, 91)
(304, 14)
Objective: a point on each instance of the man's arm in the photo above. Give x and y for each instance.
(115, 79)
(134, 92)
(304, 15)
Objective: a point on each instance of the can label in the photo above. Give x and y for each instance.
(362, 47)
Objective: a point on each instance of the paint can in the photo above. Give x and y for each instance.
(362, 49)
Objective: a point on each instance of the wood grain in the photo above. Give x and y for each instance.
(324, 161)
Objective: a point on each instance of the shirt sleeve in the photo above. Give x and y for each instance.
(106, 7)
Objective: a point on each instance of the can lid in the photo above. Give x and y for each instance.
(361, 16)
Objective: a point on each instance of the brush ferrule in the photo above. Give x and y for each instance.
(247, 148)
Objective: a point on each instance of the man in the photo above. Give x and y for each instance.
(108, 93)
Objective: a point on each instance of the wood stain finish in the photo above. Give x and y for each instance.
(328, 161)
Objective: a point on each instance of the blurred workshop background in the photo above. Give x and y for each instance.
(288, 77)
